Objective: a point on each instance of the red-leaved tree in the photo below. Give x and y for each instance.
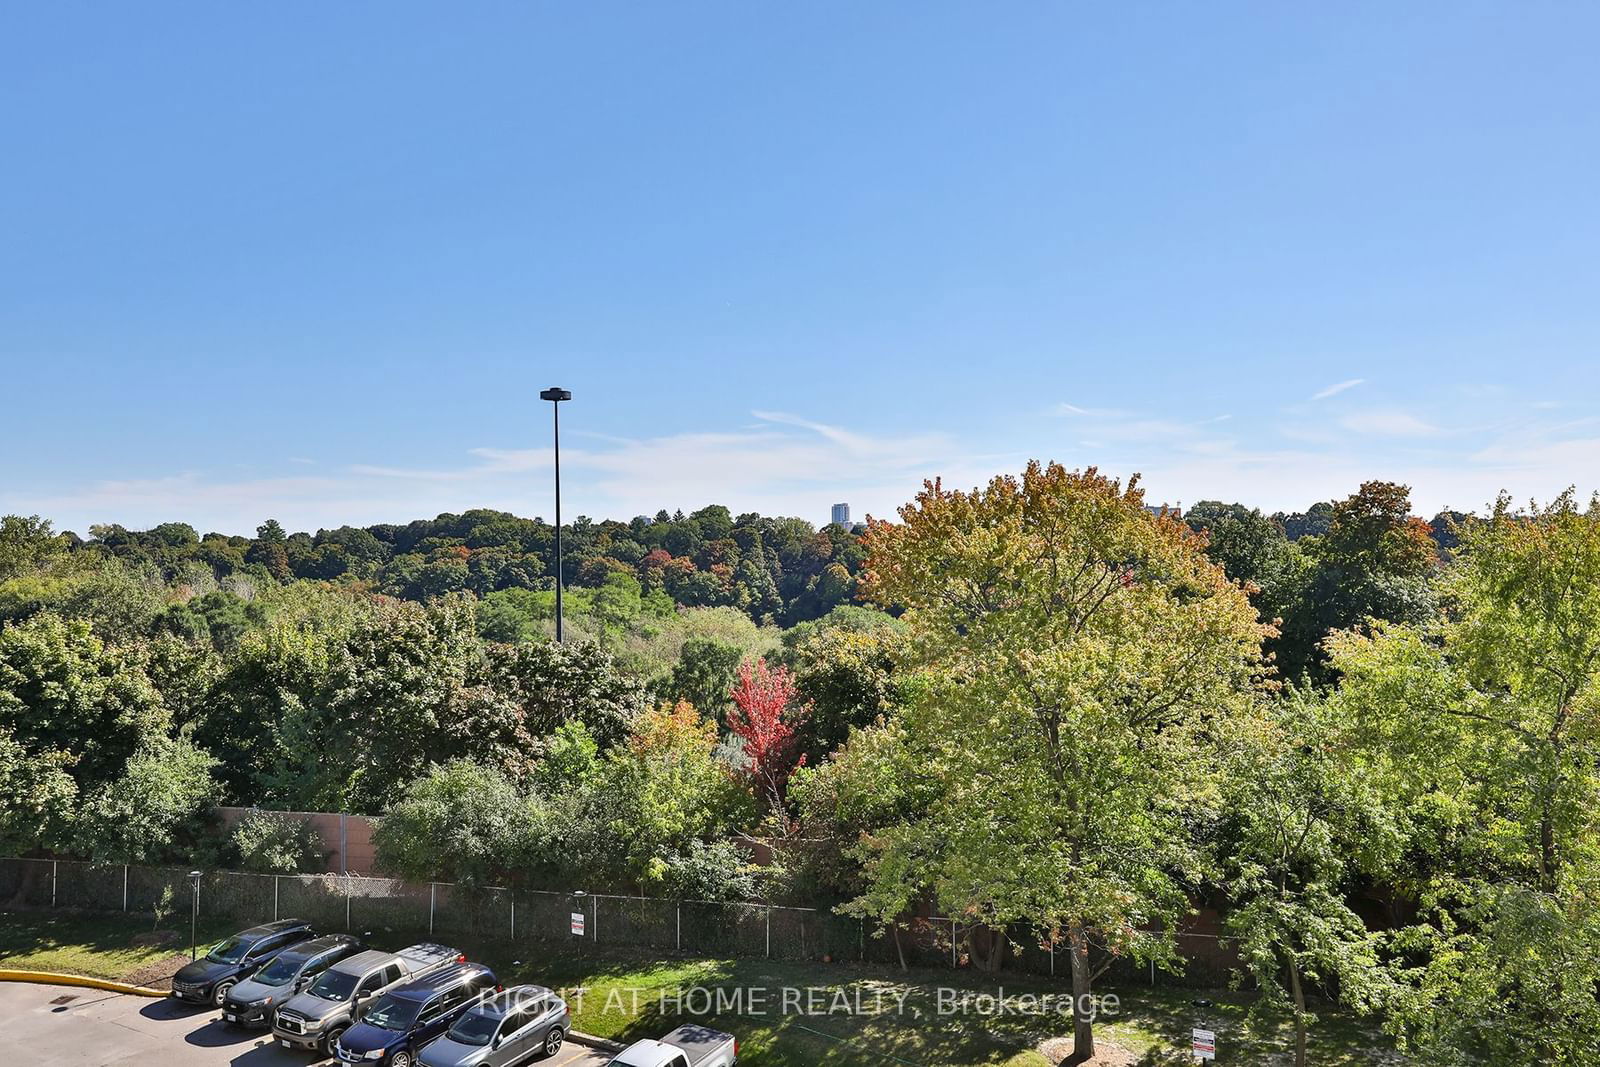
(766, 713)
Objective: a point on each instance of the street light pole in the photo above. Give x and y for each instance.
(194, 913)
(556, 396)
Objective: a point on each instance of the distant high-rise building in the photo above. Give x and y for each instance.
(841, 514)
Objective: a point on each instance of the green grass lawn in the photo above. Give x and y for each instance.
(94, 945)
(847, 1016)
(899, 1018)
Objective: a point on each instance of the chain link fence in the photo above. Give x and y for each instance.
(367, 905)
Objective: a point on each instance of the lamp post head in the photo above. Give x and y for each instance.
(556, 395)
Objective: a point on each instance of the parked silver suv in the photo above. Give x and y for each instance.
(502, 1029)
(339, 998)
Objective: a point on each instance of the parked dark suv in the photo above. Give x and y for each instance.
(409, 1016)
(254, 1001)
(208, 979)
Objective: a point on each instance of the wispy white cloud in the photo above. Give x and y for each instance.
(792, 464)
(1388, 424)
(784, 464)
(1337, 388)
(1066, 409)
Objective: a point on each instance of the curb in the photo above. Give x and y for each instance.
(578, 1037)
(52, 978)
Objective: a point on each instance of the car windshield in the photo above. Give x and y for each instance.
(474, 1028)
(230, 951)
(280, 971)
(394, 1013)
(334, 985)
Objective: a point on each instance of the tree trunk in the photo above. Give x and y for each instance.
(899, 949)
(998, 944)
(989, 957)
(1082, 980)
(30, 874)
(1299, 1014)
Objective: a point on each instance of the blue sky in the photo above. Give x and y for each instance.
(314, 261)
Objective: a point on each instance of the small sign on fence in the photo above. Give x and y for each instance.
(577, 924)
(1205, 1045)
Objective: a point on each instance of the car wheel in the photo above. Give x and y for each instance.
(332, 1039)
(552, 1041)
(220, 993)
(401, 1059)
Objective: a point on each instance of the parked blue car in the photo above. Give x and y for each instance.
(407, 1017)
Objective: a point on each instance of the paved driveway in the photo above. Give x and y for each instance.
(95, 1029)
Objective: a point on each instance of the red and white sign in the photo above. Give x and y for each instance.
(577, 924)
(1205, 1045)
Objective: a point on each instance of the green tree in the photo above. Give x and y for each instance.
(461, 822)
(273, 719)
(144, 815)
(868, 785)
(662, 791)
(1304, 825)
(1079, 653)
(64, 689)
(1487, 726)
(570, 763)
(402, 701)
(510, 616)
(37, 796)
(550, 683)
(25, 543)
(844, 666)
(1252, 549)
(1376, 561)
(704, 676)
(275, 842)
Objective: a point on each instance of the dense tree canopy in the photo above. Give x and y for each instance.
(1367, 739)
(778, 569)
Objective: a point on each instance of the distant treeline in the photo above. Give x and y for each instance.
(778, 570)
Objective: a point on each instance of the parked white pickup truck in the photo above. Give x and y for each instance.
(687, 1046)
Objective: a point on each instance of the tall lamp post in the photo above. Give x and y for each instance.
(556, 396)
(194, 914)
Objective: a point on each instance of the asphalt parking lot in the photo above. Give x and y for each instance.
(51, 1025)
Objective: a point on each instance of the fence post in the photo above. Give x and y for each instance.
(349, 888)
(953, 963)
(1152, 974)
(861, 935)
(52, 883)
(769, 931)
(124, 887)
(433, 892)
(594, 923)
(513, 917)
(275, 897)
(680, 926)
(1052, 957)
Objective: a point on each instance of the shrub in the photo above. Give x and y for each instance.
(272, 842)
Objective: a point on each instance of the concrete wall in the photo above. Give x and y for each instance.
(346, 839)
